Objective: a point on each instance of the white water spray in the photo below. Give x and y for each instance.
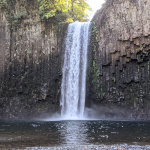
(73, 87)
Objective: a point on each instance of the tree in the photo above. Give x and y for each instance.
(67, 10)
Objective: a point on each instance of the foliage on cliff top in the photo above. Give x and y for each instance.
(64, 10)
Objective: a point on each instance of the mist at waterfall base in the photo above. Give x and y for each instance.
(95, 112)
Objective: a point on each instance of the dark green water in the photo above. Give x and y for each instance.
(20, 134)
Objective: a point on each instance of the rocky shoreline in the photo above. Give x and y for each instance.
(97, 147)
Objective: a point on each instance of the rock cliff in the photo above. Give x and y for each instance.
(120, 64)
(31, 56)
(30, 61)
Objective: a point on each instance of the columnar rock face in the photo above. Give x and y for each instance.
(30, 61)
(120, 64)
(118, 77)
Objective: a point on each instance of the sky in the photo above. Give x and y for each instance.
(95, 5)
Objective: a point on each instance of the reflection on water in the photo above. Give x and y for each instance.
(67, 133)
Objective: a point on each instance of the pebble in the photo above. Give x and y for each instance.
(95, 147)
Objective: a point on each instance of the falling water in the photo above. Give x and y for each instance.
(73, 88)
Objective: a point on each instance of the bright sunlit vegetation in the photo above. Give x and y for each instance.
(64, 10)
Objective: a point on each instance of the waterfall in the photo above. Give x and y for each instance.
(73, 87)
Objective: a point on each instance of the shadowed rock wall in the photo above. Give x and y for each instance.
(119, 70)
(30, 61)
